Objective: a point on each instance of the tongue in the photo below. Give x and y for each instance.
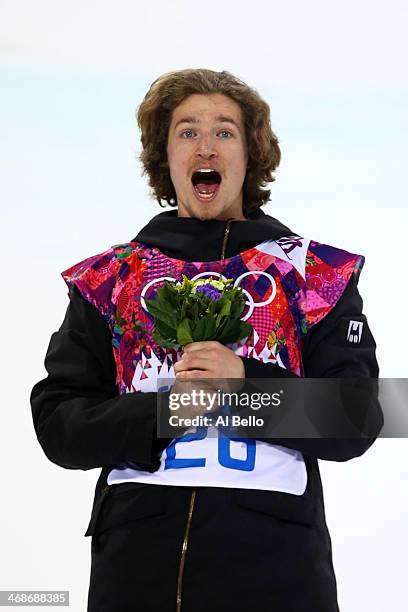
(206, 188)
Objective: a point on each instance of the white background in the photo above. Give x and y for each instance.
(72, 74)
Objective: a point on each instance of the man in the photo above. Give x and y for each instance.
(199, 522)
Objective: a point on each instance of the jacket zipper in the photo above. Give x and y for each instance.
(193, 493)
(224, 242)
(184, 549)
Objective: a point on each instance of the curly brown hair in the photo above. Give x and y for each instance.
(154, 117)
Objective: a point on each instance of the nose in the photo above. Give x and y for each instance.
(206, 148)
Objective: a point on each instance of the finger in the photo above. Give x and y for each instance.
(202, 345)
(193, 361)
(190, 374)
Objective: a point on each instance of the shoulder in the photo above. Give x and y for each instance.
(309, 257)
(322, 257)
(316, 272)
(328, 271)
(95, 276)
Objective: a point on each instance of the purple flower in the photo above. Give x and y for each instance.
(212, 292)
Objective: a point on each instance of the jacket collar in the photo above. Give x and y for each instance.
(191, 239)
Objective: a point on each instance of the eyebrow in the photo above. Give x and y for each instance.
(219, 119)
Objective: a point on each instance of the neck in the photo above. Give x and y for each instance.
(227, 216)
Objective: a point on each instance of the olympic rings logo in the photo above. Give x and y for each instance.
(249, 302)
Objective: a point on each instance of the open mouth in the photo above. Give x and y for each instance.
(206, 183)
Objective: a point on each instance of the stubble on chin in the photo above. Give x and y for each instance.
(203, 214)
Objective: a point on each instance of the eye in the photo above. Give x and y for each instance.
(226, 132)
(186, 133)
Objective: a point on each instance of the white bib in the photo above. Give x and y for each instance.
(201, 460)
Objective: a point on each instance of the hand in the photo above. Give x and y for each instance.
(203, 398)
(211, 359)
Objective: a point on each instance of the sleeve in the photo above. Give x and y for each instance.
(329, 353)
(338, 344)
(80, 420)
(254, 368)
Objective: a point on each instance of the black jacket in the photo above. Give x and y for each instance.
(82, 423)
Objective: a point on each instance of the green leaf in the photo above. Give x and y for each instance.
(221, 327)
(184, 308)
(162, 311)
(195, 313)
(237, 305)
(199, 330)
(167, 294)
(205, 329)
(245, 330)
(166, 330)
(209, 328)
(184, 335)
(230, 332)
(225, 310)
(163, 342)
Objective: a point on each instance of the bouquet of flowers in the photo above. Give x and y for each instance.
(204, 309)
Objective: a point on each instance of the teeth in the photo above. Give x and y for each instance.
(205, 195)
(205, 170)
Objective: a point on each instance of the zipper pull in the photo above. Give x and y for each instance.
(226, 234)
